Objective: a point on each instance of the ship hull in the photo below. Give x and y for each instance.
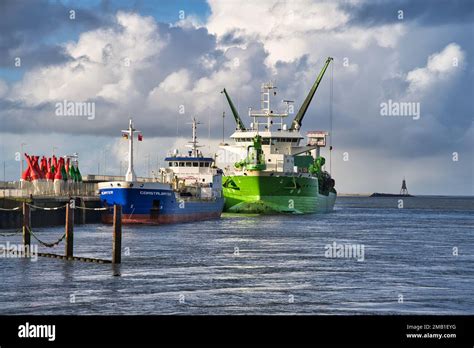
(265, 194)
(158, 206)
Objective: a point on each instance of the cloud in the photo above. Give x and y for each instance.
(290, 30)
(3, 88)
(440, 66)
(134, 67)
(26, 25)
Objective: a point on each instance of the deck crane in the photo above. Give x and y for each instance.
(238, 120)
(296, 124)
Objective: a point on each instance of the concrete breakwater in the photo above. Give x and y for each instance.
(54, 215)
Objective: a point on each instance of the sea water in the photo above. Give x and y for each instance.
(418, 259)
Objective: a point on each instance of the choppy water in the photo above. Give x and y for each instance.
(263, 265)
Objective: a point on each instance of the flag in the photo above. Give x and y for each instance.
(140, 137)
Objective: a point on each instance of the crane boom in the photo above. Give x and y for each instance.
(238, 120)
(296, 124)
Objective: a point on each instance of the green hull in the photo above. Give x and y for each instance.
(275, 194)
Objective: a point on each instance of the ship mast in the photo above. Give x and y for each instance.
(266, 111)
(130, 176)
(194, 143)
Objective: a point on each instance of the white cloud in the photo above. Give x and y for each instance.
(290, 29)
(176, 82)
(386, 36)
(105, 61)
(259, 17)
(440, 65)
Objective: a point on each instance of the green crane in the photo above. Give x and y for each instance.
(238, 120)
(296, 124)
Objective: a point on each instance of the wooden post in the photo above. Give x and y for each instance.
(117, 246)
(26, 228)
(69, 231)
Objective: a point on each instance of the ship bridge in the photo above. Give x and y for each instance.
(189, 162)
(190, 166)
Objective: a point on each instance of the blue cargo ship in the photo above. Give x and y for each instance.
(190, 189)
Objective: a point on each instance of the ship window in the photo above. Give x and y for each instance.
(171, 164)
(266, 141)
(181, 164)
(175, 164)
(195, 164)
(188, 164)
(207, 164)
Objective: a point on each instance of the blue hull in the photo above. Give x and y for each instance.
(158, 206)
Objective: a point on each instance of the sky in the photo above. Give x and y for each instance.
(164, 62)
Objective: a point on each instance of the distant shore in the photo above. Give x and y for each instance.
(396, 195)
(353, 194)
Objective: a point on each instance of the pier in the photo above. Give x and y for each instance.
(69, 209)
(84, 193)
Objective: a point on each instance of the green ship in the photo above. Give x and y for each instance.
(278, 174)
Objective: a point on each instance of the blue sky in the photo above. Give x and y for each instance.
(425, 57)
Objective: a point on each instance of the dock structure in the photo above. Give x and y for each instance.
(68, 235)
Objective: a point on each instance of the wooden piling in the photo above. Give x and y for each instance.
(26, 228)
(69, 248)
(117, 244)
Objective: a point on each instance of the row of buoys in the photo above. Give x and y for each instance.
(48, 175)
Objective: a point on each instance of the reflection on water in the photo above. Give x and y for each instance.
(250, 264)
